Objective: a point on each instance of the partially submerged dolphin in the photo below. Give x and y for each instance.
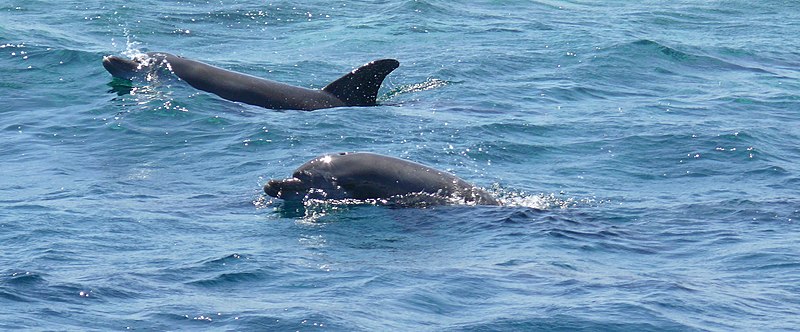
(357, 88)
(367, 176)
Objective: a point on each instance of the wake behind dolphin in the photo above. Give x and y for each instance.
(357, 88)
(369, 176)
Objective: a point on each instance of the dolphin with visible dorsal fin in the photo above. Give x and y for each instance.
(357, 88)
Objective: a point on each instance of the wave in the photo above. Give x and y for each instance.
(429, 84)
(228, 279)
(669, 60)
(568, 322)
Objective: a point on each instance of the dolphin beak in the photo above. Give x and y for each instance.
(272, 188)
(119, 67)
(291, 188)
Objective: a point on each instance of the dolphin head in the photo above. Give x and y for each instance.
(140, 64)
(289, 189)
(313, 179)
(122, 68)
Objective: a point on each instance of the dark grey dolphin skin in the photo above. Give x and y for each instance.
(357, 88)
(372, 176)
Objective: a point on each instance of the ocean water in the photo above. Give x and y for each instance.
(646, 152)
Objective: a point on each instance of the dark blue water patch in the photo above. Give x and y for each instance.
(564, 322)
(57, 66)
(241, 16)
(417, 14)
(575, 92)
(231, 264)
(603, 235)
(167, 320)
(224, 261)
(771, 211)
(508, 217)
(256, 320)
(22, 278)
(776, 65)
(769, 261)
(511, 130)
(30, 208)
(508, 151)
(35, 288)
(226, 280)
(705, 17)
(668, 52)
(10, 296)
(20, 286)
(640, 66)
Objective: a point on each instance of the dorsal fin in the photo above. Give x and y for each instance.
(360, 86)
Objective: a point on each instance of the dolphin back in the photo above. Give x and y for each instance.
(360, 87)
(368, 175)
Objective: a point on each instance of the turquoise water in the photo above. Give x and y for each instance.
(646, 153)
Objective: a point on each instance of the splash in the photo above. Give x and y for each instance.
(312, 209)
(539, 201)
(429, 84)
(131, 46)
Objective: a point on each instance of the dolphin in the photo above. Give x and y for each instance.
(357, 88)
(369, 176)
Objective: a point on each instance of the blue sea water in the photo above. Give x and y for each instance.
(646, 152)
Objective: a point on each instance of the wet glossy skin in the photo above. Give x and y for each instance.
(357, 88)
(372, 176)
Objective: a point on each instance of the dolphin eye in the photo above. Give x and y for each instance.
(301, 175)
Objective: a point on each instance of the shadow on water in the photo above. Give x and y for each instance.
(316, 210)
(291, 209)
(120, 87)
